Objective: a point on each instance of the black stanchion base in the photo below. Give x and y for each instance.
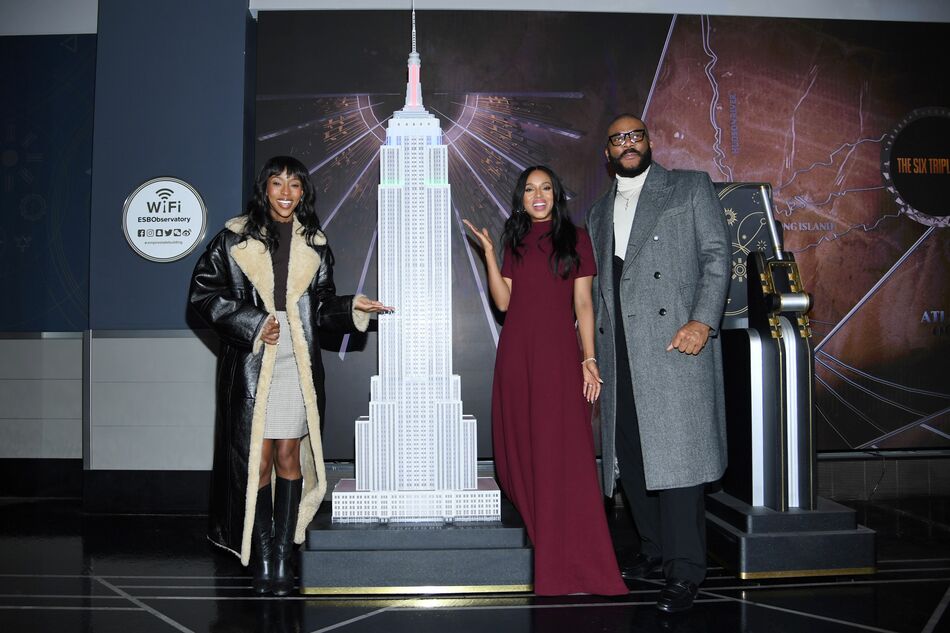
(411, 558)
(757, 542)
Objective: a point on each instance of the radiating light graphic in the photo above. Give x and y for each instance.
(492, 137)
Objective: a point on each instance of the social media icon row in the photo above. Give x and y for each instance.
(164, 232)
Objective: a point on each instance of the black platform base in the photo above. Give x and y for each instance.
(757, 542)
(399, 558)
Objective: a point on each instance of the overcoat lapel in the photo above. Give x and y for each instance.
(652, 201)
(255, 261)
(253, 258)
(602, 237)
(304, 263)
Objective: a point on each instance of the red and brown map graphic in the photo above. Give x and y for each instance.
(805, 106)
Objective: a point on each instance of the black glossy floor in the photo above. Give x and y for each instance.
(64, 572)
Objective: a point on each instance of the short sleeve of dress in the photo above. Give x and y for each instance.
(587, 266)
(507, 264)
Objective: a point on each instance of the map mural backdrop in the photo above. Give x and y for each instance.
(845, 119)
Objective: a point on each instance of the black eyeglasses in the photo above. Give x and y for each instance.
(634, 136)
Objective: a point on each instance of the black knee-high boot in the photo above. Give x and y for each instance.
(286, 504)
(262, 543)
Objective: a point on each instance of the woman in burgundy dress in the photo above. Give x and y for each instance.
(544, 386)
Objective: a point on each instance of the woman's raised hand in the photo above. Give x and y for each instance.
(483, 237)
(500, 287)
(365, 304)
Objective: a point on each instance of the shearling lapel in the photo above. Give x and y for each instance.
(304, 263)
(650, 206)
(254, 260)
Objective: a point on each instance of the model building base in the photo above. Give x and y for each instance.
(414, 506)
(400, 558)
(756, 542)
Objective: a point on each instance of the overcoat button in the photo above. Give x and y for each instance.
(662, 311)
(656, 238)
(601, 330)
(656, 275)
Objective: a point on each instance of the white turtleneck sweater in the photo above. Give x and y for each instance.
(625, 207)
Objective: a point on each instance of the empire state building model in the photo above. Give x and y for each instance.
(416, 451)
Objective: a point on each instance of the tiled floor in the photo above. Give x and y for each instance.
(67, 572)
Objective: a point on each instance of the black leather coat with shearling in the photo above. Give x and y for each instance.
(232, 290)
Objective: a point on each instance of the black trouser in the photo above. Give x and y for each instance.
(671, 522)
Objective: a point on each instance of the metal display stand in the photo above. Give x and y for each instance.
(767, 521)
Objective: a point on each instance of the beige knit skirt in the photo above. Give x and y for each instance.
(286, 413)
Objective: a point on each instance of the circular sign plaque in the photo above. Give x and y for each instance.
(915, 163)
(164, 219)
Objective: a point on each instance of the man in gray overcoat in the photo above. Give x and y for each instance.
(663, 256)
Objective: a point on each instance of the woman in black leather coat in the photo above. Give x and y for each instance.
(270, 266)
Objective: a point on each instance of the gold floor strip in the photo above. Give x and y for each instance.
(846, 571)
(420, 589)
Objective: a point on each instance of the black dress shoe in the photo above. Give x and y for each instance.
(676, 596)
(640, 567)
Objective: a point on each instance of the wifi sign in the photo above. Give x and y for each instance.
(168, 209)
(163, 204)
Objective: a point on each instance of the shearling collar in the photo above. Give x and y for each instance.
(236, 225)
(254, 259)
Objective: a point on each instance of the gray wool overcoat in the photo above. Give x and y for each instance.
(676, 269)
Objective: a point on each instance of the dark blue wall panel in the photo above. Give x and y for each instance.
(47, 83)
(170, 101)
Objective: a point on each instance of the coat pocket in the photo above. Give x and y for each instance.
(687, 293)
(674, 211)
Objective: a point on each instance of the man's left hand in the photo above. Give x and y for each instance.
(691, 338)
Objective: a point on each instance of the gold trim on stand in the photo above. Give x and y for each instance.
(418, 589)
(424, 602)
(792, 573)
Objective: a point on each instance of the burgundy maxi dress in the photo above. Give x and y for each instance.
(543, 443)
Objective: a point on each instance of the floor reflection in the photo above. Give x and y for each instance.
(63, 571)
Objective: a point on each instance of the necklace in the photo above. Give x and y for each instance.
(627, 198)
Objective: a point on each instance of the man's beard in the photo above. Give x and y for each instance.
(646, 158)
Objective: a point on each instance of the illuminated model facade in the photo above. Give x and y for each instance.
(416, 451)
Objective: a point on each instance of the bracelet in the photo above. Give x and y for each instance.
(587, 360)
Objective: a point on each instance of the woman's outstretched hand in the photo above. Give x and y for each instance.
(365, 304)
(483, 237)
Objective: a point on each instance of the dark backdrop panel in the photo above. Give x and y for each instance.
(802, 104)
(47, 83)
(170, 101)
(511, 89)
